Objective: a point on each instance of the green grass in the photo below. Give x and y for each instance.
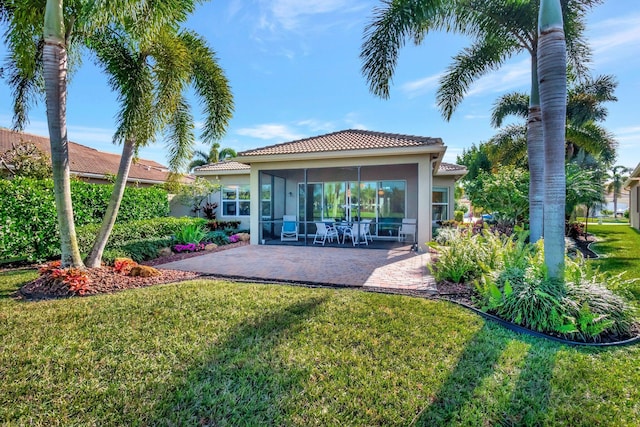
(619, 248)
(217, 353)
(605, 220)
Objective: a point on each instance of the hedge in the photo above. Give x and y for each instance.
(28, 222)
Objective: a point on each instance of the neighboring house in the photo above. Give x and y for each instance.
(344, 175)
(633, 185)
(90, 164)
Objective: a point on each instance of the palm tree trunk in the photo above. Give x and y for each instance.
(535, 154)
(552, 70)
(55, 78)
(95, 255)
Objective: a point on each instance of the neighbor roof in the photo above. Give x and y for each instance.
(228, 165)
(452, 167)
(89, 162)
(346, 140)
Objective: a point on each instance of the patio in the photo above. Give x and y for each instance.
(398, 268)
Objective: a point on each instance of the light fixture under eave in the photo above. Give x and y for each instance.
(381, 192)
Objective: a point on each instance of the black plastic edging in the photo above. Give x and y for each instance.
(526, 331)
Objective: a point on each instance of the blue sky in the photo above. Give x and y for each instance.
(294, 69)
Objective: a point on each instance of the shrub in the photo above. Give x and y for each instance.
(69, 280)
(123, 265)
(221, 225)
(218, 237)
(144, 271)
(190, 233)
(458, 216)
(144, 249)
(134, 230)
(28, 221)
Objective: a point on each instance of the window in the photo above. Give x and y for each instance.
(440, 204)
(265, 201)
(235, 200)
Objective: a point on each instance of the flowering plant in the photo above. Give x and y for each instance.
(189, 247)
(49, 267)
(234, 238)
(76, 280)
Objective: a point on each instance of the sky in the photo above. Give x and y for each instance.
(295, 72)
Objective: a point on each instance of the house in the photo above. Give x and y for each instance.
(349, 175)
(633, 185)
(90, 164)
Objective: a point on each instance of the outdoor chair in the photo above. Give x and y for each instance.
(324, 232)
(289, 229)
(357, 233)
(408, 228)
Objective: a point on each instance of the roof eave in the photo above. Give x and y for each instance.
(322, 155)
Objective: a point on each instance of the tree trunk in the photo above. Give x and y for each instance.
(535, 154)
(95, 256)
(552, 70)
(55, 78)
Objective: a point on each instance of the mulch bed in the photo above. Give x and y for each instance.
(105, 280)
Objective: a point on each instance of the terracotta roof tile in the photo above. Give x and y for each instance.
(345, 140)
(86, 160)
(228, 165)
(451, 167)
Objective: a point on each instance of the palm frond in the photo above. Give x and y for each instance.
(180, 137)
(594, 140)
(484, 56)
(392, 24)
(211, 86)
(511, 104)
(509, 146)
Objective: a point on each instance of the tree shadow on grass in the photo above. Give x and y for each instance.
(243, 381)
(477, 364)
(9, 289)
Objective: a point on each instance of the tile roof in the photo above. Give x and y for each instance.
(451, 167)
(351, 139)
(86, 160)
(228, 165)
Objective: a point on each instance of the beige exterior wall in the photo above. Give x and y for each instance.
(634, 205)
(216, 197)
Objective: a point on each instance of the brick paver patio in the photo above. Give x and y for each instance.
(397, 269)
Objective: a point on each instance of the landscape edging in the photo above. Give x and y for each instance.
(527, 331)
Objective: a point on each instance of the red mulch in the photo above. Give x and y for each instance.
(105, 280)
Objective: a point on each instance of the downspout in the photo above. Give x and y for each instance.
(430, 219)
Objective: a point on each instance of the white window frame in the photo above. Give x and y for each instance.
(237, 201)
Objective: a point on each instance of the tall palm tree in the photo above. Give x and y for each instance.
(499, 29)
(552, 74)
(36, 54)
(215, 155)
(584, 109)
(151, 79)
(617, 177)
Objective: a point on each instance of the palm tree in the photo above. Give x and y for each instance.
(500, 29)
(215, 155)
(584, 109)
(36, 54)
(618, 175)
(151, 85)
(552, 74)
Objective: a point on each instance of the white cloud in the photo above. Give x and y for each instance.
(270, 131)
(317, 125)
(353, 121)
(509, 77)
(612, 39)
(421, 86)
(291, 14)
(476, 116)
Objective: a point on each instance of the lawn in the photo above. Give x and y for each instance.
(217, 353)
(619, 248)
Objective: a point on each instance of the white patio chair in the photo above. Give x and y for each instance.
(367, 233)
(357, 233)
(289, 228)
(324, 232)
(408, 228)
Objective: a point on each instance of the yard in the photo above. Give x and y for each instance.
(208, 352)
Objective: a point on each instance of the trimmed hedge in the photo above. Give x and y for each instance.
(138, 250)
(28, 222)
(156, 228)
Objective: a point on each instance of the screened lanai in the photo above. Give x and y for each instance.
(381, 196)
